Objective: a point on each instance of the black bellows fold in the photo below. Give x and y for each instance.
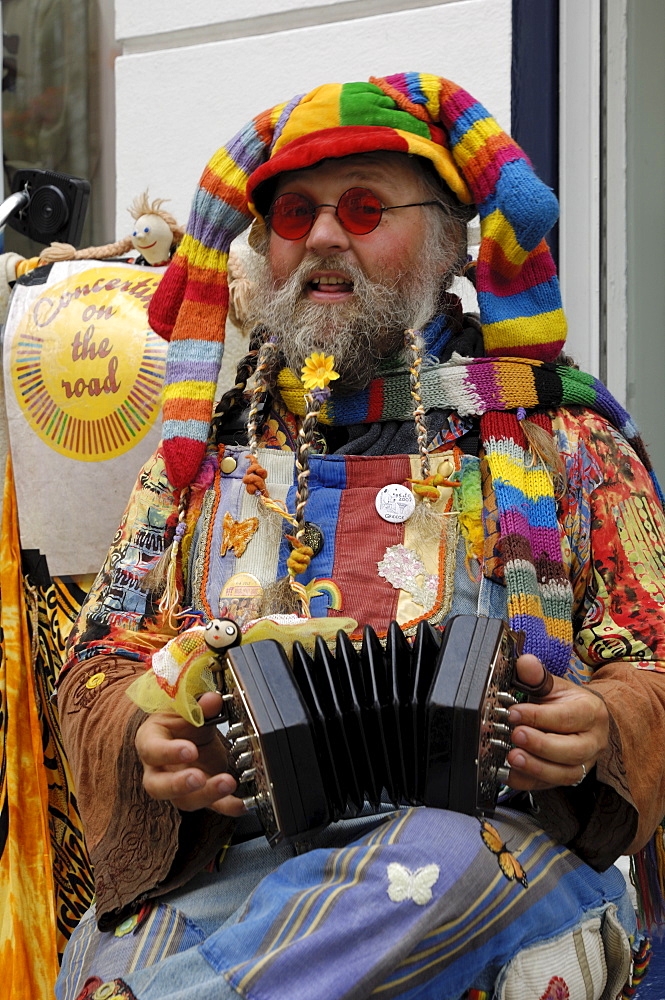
(421, 723)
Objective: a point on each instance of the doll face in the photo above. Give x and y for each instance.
(153, 238)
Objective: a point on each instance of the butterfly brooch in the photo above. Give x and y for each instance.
(236, 534)
(404, 884)
(508, 863)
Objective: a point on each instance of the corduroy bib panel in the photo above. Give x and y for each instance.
(341, 504)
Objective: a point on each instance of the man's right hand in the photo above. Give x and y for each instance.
(186, 764)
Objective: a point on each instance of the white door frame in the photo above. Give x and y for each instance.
(592, 182)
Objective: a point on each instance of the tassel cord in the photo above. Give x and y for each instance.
(169, 604)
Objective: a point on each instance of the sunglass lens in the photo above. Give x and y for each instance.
(291, 216)
(359, 211)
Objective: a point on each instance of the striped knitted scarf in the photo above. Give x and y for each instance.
(540, 599)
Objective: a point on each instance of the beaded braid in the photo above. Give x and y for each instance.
(412, 344)
(317, 374)
(259, 360)
(254, 479)
(303, 449)
(266, 359)
(170, 602)
(301, 554)
(233, 398)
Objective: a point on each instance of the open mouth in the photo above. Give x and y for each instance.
(330, 285)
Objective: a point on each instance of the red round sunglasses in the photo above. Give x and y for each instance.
(359, 210)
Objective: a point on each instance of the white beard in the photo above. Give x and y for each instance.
(359, 332)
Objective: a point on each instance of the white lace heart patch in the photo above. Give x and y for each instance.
(404, 884)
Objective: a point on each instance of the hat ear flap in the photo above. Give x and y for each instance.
(190, 305)
(517, 286)
(518, 290)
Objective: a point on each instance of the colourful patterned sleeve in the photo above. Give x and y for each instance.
(618, 566)
(613, 535)
(118, 613)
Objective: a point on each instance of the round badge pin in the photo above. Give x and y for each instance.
(395, 503)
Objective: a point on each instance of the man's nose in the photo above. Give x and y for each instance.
(327, 234)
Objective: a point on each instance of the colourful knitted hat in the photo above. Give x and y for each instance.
(518, 291)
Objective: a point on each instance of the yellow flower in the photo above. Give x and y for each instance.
(318, 371)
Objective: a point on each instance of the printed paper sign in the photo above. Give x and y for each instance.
(86, 369)
(83, 379)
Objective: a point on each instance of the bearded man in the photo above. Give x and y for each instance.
(514, 502)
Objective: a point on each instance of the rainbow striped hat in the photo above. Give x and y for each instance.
(518, 291)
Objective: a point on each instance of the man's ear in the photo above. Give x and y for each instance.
(258, 238)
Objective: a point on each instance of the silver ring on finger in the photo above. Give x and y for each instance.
(576, 783)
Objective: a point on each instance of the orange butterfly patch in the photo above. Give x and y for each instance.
(508, 863)
(236, 534)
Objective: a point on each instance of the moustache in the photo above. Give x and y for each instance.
(300, 279)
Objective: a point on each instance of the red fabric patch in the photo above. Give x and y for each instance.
(361, 541)
(556, 990)
(144, 913)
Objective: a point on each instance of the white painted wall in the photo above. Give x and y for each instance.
(229, 18)
(184, 87)
(135, 19)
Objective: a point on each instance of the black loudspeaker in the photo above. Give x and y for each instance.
(54, 207)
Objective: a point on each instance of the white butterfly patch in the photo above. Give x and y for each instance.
(404, 884)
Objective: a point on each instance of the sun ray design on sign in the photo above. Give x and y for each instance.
(90, 390)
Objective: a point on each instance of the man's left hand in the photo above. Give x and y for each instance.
(555, 736)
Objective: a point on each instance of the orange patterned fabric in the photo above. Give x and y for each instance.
(28, 951)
